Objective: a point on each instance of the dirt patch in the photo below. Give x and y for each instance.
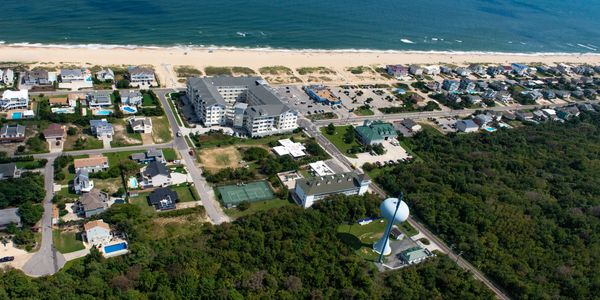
(180, 220)
(220, 158)
(121, 135)
(147, 139)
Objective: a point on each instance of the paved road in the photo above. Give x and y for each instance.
(47, 260)
(101, 151)
(206, 192)
(433, 114)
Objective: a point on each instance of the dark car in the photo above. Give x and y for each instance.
(7, 259)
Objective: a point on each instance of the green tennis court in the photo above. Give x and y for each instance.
(252, 192)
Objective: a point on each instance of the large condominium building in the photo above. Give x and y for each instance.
(241, 102)
(308, 191)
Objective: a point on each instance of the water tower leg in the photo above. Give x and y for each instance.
(387, 250)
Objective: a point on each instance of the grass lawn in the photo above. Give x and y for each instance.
(89, 144)
(66, 242)
(141, 200)
(337, 139)
(169, 154)
(147, 100)
(363, 111)
(185, 193)
(256, 207)
(67, 194)
(362, 238)
(115, 157)
(175, 111)
(161, 131)
(112, 185)
(27, 164)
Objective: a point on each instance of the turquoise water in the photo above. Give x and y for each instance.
(17, 115)
(441, 25)
(115, 247)
(129, 109)
(103, 112)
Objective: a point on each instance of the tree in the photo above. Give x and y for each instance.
(330, 129)
(30, 214)
(72, 131)
(350, 135)
(122, 84)
(244, 205)
(255, 153)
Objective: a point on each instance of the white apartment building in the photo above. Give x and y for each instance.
(14, 100)
(242, 102)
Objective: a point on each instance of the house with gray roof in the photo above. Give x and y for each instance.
(102, 129)
(310, 190)
(133, 98)
(70, 75)
(8, 216)
(9, 170)
(140, 124)
(155, 174)
(99, 99)
(218, 101)
(36, 77)
(466, 126)
(12, 133)
(105, 75)
(149, 156)
(141, 75)
(82, 182)
(93, 203)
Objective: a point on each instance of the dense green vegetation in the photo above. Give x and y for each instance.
(13, 193)
(523, 205)
(285, 253)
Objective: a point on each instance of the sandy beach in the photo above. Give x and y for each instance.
(257, 58)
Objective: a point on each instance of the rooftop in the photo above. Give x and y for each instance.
(96, 223)
(91, 161)
(331, 183)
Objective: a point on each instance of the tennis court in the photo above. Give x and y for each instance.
(251, 192)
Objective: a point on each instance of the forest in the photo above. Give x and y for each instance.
(523, 205)
(284, 253)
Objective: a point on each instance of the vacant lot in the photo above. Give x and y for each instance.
(220, 158)
(66, 242)
(337, 139)
(161, 130)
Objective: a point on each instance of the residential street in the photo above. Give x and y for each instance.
(47, 260)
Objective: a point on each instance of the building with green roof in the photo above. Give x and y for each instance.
(375, 132)
(414, 255)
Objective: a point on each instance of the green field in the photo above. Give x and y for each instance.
(147, 100)
(337, 139)
(115, 157)
(363, 111)
(169, 154)
(362, 238)
(161, 130)
(185, 193)
(256, 207)
(66, 242)
(141, 201)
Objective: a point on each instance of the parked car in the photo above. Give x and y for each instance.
(7, 259)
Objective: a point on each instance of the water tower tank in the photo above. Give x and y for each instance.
(388, 207)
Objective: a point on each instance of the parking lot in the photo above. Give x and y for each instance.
(393, 154)
(297, 99)
(447, 124)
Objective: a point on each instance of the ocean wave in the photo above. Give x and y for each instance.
(290, 50)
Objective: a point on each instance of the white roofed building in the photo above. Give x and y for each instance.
(14, 100)
(320, 168)
(288, 147)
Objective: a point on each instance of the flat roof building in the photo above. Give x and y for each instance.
(320, 168)
(288, 147)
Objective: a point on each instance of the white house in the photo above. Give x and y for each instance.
(70, 75)
(141, 75)
(133, 98)
(140, 124)
(14, 100)
(155, 174)
(7, 76)
(105, 74)
(97, 232)
(102, 129)
(82, 182)
(99, 99)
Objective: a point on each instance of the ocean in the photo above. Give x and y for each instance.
(516, 26)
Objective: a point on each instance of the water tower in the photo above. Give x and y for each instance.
(393, 210)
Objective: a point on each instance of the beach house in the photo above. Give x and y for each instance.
(94, 163)
(71, 75)
(140, 124)
(133, 98)
(36, 77)
(466, 126)
(55, 135)
(14, 100)
(142, 75)
(105, 75)
(102, 129)
(7, 77)
(12, 133)
(397, 71)
(93, 203)
(450, 85)
(307, 191)
(155, 174)
(97, 232)
(375, 132)
(218, 101)
(99, 99)
(431, 70)
(9, 170)
(82, 182)
(163, 198)
(148, 156)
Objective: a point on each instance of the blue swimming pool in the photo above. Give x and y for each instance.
(129, 109)
(17, 115)
(103, 112)
(133, 183)
(490, 129)
(115, 247)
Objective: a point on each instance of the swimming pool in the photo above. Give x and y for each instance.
(133, 183)
(17, 115)
(115, 247)
(102, 112)
(62, 110)
(490, 129)
(129, 109)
